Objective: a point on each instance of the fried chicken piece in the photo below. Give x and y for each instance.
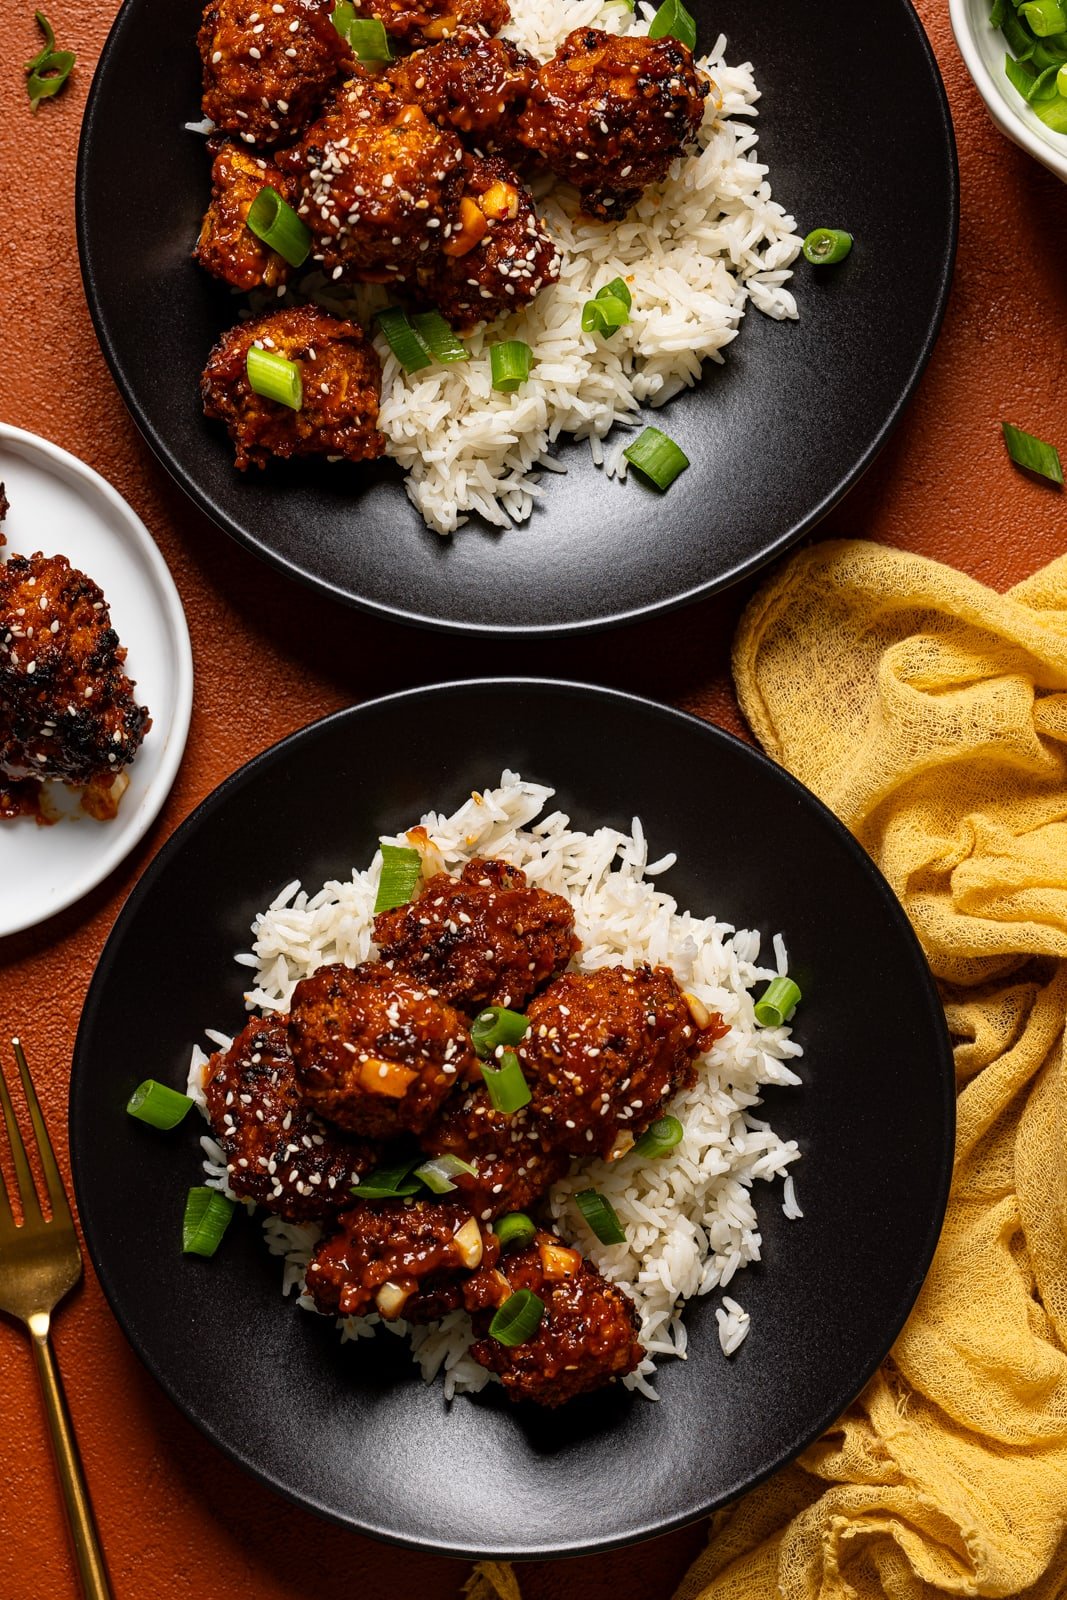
(515, 1159)
(227, 247)
(341, 381)
(380, 185)
(69, 707)
(404, 1258)
(605, 1050)
(269, 65)
(587, 1334)
(610, 114)
(473, 85)
(375, 1052)
(484, 938)
(499, 255)
(413, 20)
(278, 1153)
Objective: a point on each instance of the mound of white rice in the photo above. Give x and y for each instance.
(689, 1218)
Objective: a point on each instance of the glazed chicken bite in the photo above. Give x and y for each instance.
(484, 938)
(376, 1052)
(606, 1050)
(341, 377)
(514, 1159)
(227, 247)
(278, 1153)
(268, 65)
(414, 20)
(610, 114)
(404, 1258)
(475, 85)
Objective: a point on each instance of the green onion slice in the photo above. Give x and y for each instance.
(657, 457)
(777, 1003)
(1020, 40)
(49, 76)
(508, 1089)
(342, 16)
(510, 364)
(438, 1172)
(272, 219)
(434, 332)
(275, 378)
(1020, 74)
(1043, 86)
(601, 1216)
(824, 247)
(49, 42)
(518, 1318)
(998, 13)
(366, 35)
(496, 1026)
(1053, 114)
(515, 1230)
(1061, 82)
(389, 1183)
(659, 1138)
(609, 309)
(404, 342)
(672, 18)
(401, 869)
(1044, 17)
(207, 1216)
(1033, 454)
(157, 1105)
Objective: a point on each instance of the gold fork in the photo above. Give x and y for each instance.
(40, 1263)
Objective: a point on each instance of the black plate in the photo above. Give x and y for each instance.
(354, 1432)
(856, 131)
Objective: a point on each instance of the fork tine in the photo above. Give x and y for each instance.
(57, 1194)
(31, 1205)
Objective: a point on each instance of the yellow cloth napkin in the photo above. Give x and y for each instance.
(930, 714)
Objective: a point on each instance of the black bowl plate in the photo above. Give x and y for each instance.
(352, 1431)
(856, 131)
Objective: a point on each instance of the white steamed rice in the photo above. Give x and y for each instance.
(689, 1219)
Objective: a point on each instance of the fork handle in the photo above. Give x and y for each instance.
(87, 1552)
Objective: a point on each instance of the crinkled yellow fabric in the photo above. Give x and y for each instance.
(930, 713)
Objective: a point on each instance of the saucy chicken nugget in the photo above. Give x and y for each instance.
(268, 65)
(587, 1334)
(277, 1151)
(341, 381)
(605, 1050)
(472, 84)
(514, 1160)
(375, 1051)
(610, 114)
(411, 20)
(398, 1257)
(227, 247)
(484, 938)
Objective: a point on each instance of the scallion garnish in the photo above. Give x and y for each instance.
(404, 342)
(157, 1105)
(401, 869)
(1036, 35)
(609, 309)
(389, 1183)
(672, 18)
(272, 219)
(366, 35)
(510, 364)
(824, 247)
(437, 1173)
(1044, 17)
(508, 1089)
(275, 378)
(601, 1216)
(657, 457)
(50, 68)
(518, 1318)
(437, 336)
(496, 1026)
(777, 1003)
(207, 1216)
(662, 1136)
(1033, 454)
(514, 1230)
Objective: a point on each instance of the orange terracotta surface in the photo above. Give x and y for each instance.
(176, 1518)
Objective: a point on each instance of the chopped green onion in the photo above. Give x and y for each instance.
(510, 364)
(672, 18)
(49, 42)
(1020, 74)
(438, 1172)
(157, 1105)
(1061, 82)
(207, 1216)
(434, 332)
(272, 219)
(998, 13)
(1053, 114)
(657, 457)
(369, 40)
(518, 1318)
(508, 1089)
(401, 870)
(609, 309)
(617, 290)
(1033, 454)
(50, 68)
(1051, 52)
(514, 1229)
(404, 342)
(659, 1138)
(1044, 17)
(342, 16)
(601, 1216)
(389, 1183)
(824, 247)
(496, 1026)
(275, 378)
(777, 1003)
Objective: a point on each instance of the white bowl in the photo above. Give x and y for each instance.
(983, 50)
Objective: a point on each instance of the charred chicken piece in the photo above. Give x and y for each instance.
(227, 247)
(587, 1335)
(416, 20)
(278, 1153)
(604, 1052)
(484, 938)
(515, 1160)
(268, 65)
(609, 115)
(376, 1053)
(472, 84)
(341, 380)
(498, 255)
(402, 1258)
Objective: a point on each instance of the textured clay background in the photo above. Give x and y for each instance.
(176, 1518)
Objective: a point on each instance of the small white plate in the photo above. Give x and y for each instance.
(62, 507)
